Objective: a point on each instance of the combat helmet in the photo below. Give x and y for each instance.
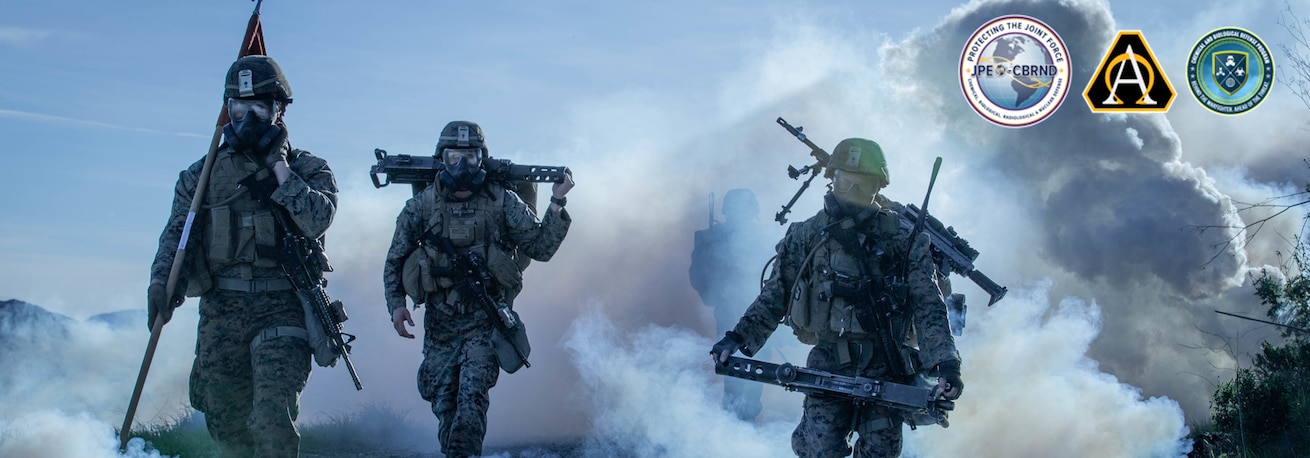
(462, 134)
(256, 76)
(859, 155)
(740, 203)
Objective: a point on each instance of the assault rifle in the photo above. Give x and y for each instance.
(303, 261)
(471, 278)
(950, 252)
(916, 400)
(420, 171)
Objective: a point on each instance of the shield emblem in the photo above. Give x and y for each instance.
(1229, 70)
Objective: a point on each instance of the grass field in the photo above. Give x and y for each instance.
(373, 431)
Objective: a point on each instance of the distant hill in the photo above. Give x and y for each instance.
(122, 319)
(23, 323)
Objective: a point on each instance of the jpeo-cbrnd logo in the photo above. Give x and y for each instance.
(1014, 71)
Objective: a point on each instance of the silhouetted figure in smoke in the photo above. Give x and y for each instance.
(725, 270)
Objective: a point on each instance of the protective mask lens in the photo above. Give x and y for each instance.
(850, 184)
(470, 156)
(261, 108)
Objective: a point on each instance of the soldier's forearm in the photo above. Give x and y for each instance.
(312, 209)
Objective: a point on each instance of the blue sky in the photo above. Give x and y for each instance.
(653, 105)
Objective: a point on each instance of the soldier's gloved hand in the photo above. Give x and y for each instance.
(949, 384)
(157, 305)
(729, 344)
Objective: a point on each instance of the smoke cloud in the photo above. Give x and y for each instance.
(1082, 208)
(1033, 392)
(67, 382)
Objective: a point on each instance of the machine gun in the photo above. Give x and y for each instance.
(916, 401)
(420, 171)
(303, 261)
(821, 158)
(471, 278)
(950, 252)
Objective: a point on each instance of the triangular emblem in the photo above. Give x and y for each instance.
(1129, 79)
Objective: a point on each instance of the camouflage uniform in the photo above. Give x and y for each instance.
(250, 397)
(459, 365)
(843, 345)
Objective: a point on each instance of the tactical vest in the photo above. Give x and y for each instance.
(238, 223)
(840, 278)
(471, 226)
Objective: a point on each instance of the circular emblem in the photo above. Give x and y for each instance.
(1230, 71)
(1014, 71)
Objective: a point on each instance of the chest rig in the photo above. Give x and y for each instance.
(851, 268)
(474, 225)
(238, 223)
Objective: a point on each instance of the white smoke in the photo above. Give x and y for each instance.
(1031, 391)
(55, 434)
(653, 392)
(1106, 199)
(67, 382)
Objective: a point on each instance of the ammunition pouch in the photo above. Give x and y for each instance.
(427, 270)
(234, 236)
(798, 317)
(505, 269)
(419, 273)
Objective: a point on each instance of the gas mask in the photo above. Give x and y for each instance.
(252, 128)
(463, 170)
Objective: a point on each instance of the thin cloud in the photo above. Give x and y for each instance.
(66, 120)
(20, 36)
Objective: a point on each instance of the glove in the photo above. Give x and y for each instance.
(275, 155)
(157, 305)
(729, 344)
(949, 372)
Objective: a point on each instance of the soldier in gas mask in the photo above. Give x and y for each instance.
(252, 358)
(465, 211)
(841, 282)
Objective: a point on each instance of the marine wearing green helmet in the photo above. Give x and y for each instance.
(859, 155)
(858, 170)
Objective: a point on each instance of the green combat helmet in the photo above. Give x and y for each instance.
(256, 76)
(859, 155)
(462, 134)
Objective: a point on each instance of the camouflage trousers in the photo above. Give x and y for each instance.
(458, 371)
(250, 398)
(826, 422)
